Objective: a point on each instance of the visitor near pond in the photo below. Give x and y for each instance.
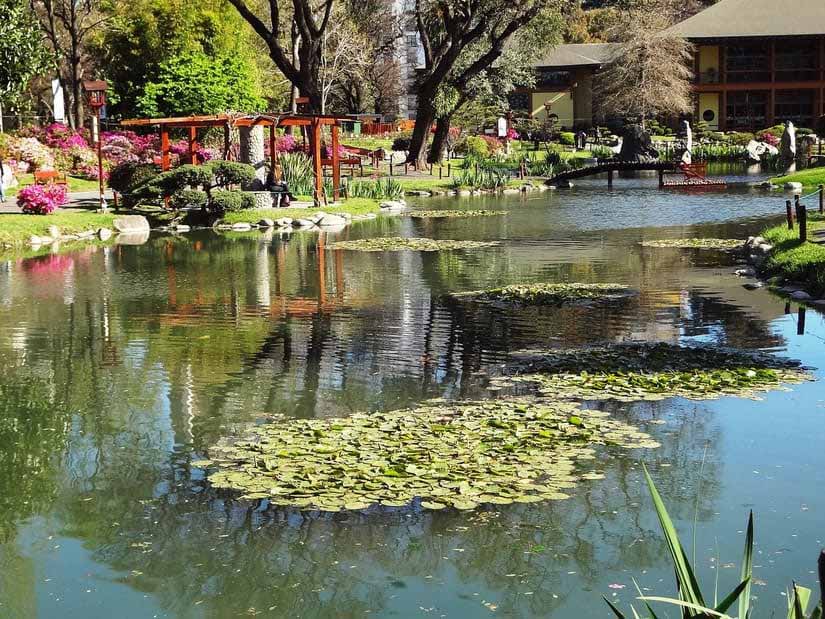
(447, 308)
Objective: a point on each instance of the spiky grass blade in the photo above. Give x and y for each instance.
(619, 614)
(747, 571)
(702, 610)
(729, 601)
(686, 579)
(798, 602)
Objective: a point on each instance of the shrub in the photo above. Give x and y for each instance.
(125, 177)
(476, 147)
(42, 200)
(567, 138)
(401, 144)
(189, 198)
(297, 172)
(776, 131)
(740, 139)
(230, 201)
(231, 173)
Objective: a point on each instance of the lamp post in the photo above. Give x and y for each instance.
(96, 98)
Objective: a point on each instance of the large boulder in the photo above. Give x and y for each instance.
(131, 224)
(252, 152)
(332, 221)
(637, 147)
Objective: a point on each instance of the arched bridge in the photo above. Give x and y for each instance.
(611, 166)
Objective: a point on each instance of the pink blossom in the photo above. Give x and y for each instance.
(42, 199)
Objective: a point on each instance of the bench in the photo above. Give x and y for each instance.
(48, 177)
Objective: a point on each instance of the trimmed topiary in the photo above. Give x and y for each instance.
(189, 198)
(230, 201)
(231, 173)
(125, 177)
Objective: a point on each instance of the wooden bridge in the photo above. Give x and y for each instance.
(610, 167)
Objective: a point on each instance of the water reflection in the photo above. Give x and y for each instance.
(122, 365)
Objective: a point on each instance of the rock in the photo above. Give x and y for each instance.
(422, 194)
(284, 222)
(54, 232)
(511, 192)
(36, 240)
(132, 238)
(393, 205)
(303, 223)
(753, 285)
(86, 234)
(316, 217)
(266, 223)
(332, 220)
(131, 224)
(241, 227)
(755, 240)
(104, 234)
(746, 272)
(542, 187)
(463, 192)
(765, 248)
(794, 187)
(527, 188)
(766, 185)
(565, 185)
(182, 228)
(800, 295)
(637, 147)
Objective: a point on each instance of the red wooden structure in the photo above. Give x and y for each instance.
(312, 123)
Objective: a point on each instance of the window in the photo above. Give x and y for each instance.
(797, 61)
(796, 106)
(412, 40)
(747, 110)
(747, 63)
(548, 78)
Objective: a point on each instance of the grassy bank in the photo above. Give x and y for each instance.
(809, 178)
(796, 261)
(75, 184)
(353, 206)
(15, 230)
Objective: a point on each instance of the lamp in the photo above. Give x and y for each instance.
(96, 98)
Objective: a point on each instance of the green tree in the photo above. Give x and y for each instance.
(22, 53)
(194, 83)
(142, 35)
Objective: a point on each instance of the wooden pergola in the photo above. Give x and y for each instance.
(312, 123)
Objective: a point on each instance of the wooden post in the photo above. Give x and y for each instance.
(802, 218)
(390, 165)
(449, 170)
(193, 146)
(317, 165)
(336, 164)
(800, 324)
(789, 214)
(440, 172)
(821, 199)
(661, 178)
(165, 159)
(272, 128)
(610, 179)
(431, 169)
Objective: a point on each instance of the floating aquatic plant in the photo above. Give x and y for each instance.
(459, 455)
(639, 371)
(449, 214)
(409, 244)
(555, 294)
(720, 244)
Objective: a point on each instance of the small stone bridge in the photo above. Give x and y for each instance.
(612, 166)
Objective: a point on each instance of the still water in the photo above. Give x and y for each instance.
(121, 366)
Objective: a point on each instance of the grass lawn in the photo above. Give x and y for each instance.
(75, 184)
(353, 206)
(812, 177)
(796, 261)
(15, 230)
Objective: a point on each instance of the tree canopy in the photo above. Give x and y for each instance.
(22, 54)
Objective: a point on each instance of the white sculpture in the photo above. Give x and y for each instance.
(757, 149)
(787, 146)
(687, 156)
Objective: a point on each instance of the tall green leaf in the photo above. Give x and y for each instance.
(747, 571)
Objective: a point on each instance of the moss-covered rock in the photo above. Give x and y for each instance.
(552, 294)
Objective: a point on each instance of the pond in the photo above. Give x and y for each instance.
(122, 366)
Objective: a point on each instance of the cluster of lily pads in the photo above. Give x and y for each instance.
(452, 213)
(459, 455)
(719, 244)
(409, 244)
(639, 371)
(556, 294)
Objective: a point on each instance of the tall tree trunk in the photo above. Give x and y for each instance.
(439, 144)
(424, 119)
(293, 95)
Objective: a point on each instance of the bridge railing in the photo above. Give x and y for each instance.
(801, 211)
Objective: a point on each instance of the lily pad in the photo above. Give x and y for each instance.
(640, 371)
(549, 294)
(459, 455)
(452, 214)
(719, 244)
(409, 244)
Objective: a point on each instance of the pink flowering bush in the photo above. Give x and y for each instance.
(129, 147)
(42, 199)
(512, 134)
(58, 135)
(33, 152)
